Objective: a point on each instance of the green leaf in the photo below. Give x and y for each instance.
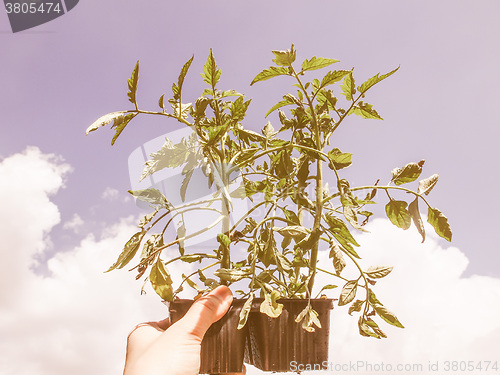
(426, 185)
(374, 80)
(348, 87)
(249, 136)
(317, 63)
(364, 328)
(185, 183)
(177, 89)
(232, 275)
(374, 326)
(366, 111)
(387, 315)
(328, 287)
(297, 232)
(351, 217)
(132, 85)
(372, 298)
(161, 281)
(239, 108)
(211, 74)
(377, 272)
(398, 214)
(181, 110)
(283, 264)
(326, 98)
(270, 306)
(440, 223)
(225, 94)
(151, 195)
(161, 102)
(348, 292)
(224, 240)
(245, 311)
(268, 131)
(192, 284)
(285, 58)
(417, 220)
(129, 251)
(291, 216)
(200, 107)
(408, 173)
(169, 156)
(154, 241)
(308, 242)
(118, 120)
(267, 247)
(191, 258)
(338, 227)
(339, 159)
(145, 220)
(181, 233)
(332, 77)
(120, 124)
(270, 72)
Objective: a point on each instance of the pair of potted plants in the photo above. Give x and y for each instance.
(269, 251)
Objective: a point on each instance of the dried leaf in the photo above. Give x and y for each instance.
(425, 186)
(417, 220)
(348, 292)
(378, 272)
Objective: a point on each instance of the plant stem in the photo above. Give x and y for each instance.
(160, 249)
(319, 185)
(383, 188)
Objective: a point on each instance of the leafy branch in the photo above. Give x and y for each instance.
(282, 178)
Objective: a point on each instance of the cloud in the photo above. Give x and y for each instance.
(26, 182)
(447, 317)
(75, 319)
(110, 194)
(75, 224)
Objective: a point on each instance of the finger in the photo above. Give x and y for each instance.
(143, 335)
(206, 311)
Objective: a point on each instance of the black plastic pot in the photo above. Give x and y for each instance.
(277, 344)
(223, 346)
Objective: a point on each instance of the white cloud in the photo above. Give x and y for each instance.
(75, 224)
(75, 320)
(447, 317)
(110, 194)
(26, 182)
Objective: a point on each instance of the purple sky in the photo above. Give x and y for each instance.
(58, 78)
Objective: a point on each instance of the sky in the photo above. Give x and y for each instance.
(65, 212)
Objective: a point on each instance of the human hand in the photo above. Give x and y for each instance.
(161, 348)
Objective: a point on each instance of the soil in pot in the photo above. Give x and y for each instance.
(223, 346)
(277, 344)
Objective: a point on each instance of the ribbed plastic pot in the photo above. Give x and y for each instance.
(223, 346)
(277, 344)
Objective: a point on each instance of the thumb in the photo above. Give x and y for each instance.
(207, 310)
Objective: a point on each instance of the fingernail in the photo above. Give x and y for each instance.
(223, 292)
